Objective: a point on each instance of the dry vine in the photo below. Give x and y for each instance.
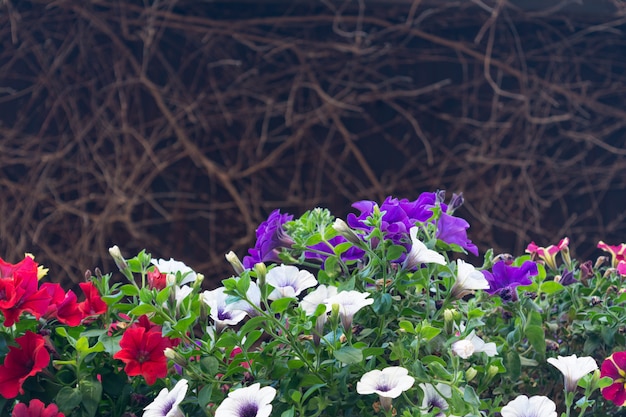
(178, 126)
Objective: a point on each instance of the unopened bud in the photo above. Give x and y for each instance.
(261, 272)
(116, 254)
(440, 196)
(600, 261)
(456, 202)
(344, 230)
(448, 317)
(492, 371)
(334, 312)
(234, 261)
(176, 357)
(470, 374)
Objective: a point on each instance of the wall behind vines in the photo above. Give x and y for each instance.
(177, 126)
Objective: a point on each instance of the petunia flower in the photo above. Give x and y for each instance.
(349, 303)
(536, 406)
(166, 404)
(621, 268)
(63, 305)
(573, 369)
(548, 255)
(93, 304)
(36, 408)
(289, 281)
(142, 351)
(504, 279)
(21, 291)
(615, 368)
(251, 401)
(270, 238)
(453, 230)
(172, 267)
(310, 303)
(388, 384)
(222, 314)
(323, 250)
(467, 280)
(420, 254)
(618, 253)
(26, 359)
(435, 396)
(473, 344)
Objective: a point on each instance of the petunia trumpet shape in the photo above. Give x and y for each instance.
(548, 255)
(23, 361)
(473, 344)
(222, 314)
(435, 397)
(388, 384)
(349, 303)
(467, 280)
(504, 279)
(573, 368)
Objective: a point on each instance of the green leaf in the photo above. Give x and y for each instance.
(289, 412)
(243, 284)
(91, 391)
(429, 332)
(204, 396)
(280, 305)
(142, 309)
(514, 365)
(112, 298)
(209, 365)
(395, 251)
(470, 397)
(184, 323)
(296, 396)
(348, 355)
(537, 339)
(111, 344)
(162, 295)
(382, 305)
(67, 399)
(251, 338)
(145, 295)
(407, 326)
(551, 287)
(342, 247)
(295, 363)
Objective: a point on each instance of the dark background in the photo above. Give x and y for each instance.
(177, 126)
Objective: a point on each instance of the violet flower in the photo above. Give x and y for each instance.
(270, 237)
(504, 279)
(453, 230)
(351, 254)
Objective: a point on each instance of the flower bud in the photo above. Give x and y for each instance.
(344, 230)
(116, 254)
(234, 261)
(448, 317)
(174, 356)
(456, 202)
(261, 272)
(492, 371)
(600, 261)
(470, 374)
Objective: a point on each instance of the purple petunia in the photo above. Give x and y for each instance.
(504, 279)
(351, 254)
(270, 237)
(453, 230)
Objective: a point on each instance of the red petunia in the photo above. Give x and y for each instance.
(93, 304)
(36, 409)
(156, 279)
(63, 306)
(615, 367)
(22, 362)
(143, 352)
(19, 291)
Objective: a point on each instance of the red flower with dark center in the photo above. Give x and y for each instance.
(93, 304)
(22, 362)
(142, 352)
(36, 409)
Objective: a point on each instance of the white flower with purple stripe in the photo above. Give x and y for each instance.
(289, 281)
(252, 401)
(222, 314)
(166, 403)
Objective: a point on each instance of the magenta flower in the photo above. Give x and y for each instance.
(504, 279)
(270, 237)
(618, 253)
(548, 255)
(615, 367)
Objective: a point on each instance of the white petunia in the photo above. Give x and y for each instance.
(467, 279)
(473, 344)
(388, 384)
(536, 406)
(172, 267)
(251, 401)
(435, 396)
(222, 314)
(573, 369)
(313, 299)
(420, 254)
(289, 281)
(166, 403)
(349, 303)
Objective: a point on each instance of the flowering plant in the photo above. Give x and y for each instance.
(378, 314)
